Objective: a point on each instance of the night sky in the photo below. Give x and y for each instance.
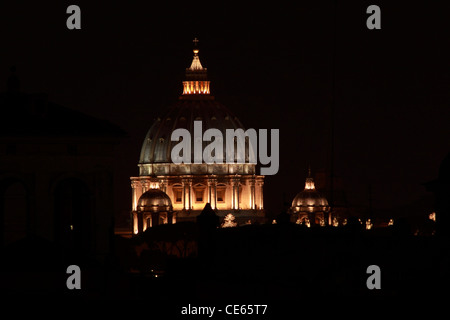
(272, 65)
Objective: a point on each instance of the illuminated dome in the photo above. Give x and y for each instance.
(195, 104)
(310, 200)
(157, 145)
(154, 200)
(227, 186)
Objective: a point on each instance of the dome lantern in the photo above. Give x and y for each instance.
(196, 82)
(309, 184)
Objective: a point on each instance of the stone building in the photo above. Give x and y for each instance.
(56, 174)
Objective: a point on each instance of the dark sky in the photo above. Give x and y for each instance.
(270, 63)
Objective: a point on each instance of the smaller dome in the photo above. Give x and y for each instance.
(154, 200)
(309, 200)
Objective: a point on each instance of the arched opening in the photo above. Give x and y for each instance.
(72, 215)
(14, 208)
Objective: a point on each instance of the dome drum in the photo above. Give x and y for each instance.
(167, 169)
(307, 209)
(313, 218)
(154, 208)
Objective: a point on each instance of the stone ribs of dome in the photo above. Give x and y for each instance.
(157, 146)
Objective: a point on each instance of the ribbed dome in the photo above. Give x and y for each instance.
(154, 200)
(195, 103)
(309, 200)
(157, 145)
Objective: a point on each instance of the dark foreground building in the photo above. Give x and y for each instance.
(56, 174)
(441, 190)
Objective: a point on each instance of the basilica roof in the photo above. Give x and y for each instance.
(34, 115)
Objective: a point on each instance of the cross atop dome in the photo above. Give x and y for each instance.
(196, 65)
(195, 41)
